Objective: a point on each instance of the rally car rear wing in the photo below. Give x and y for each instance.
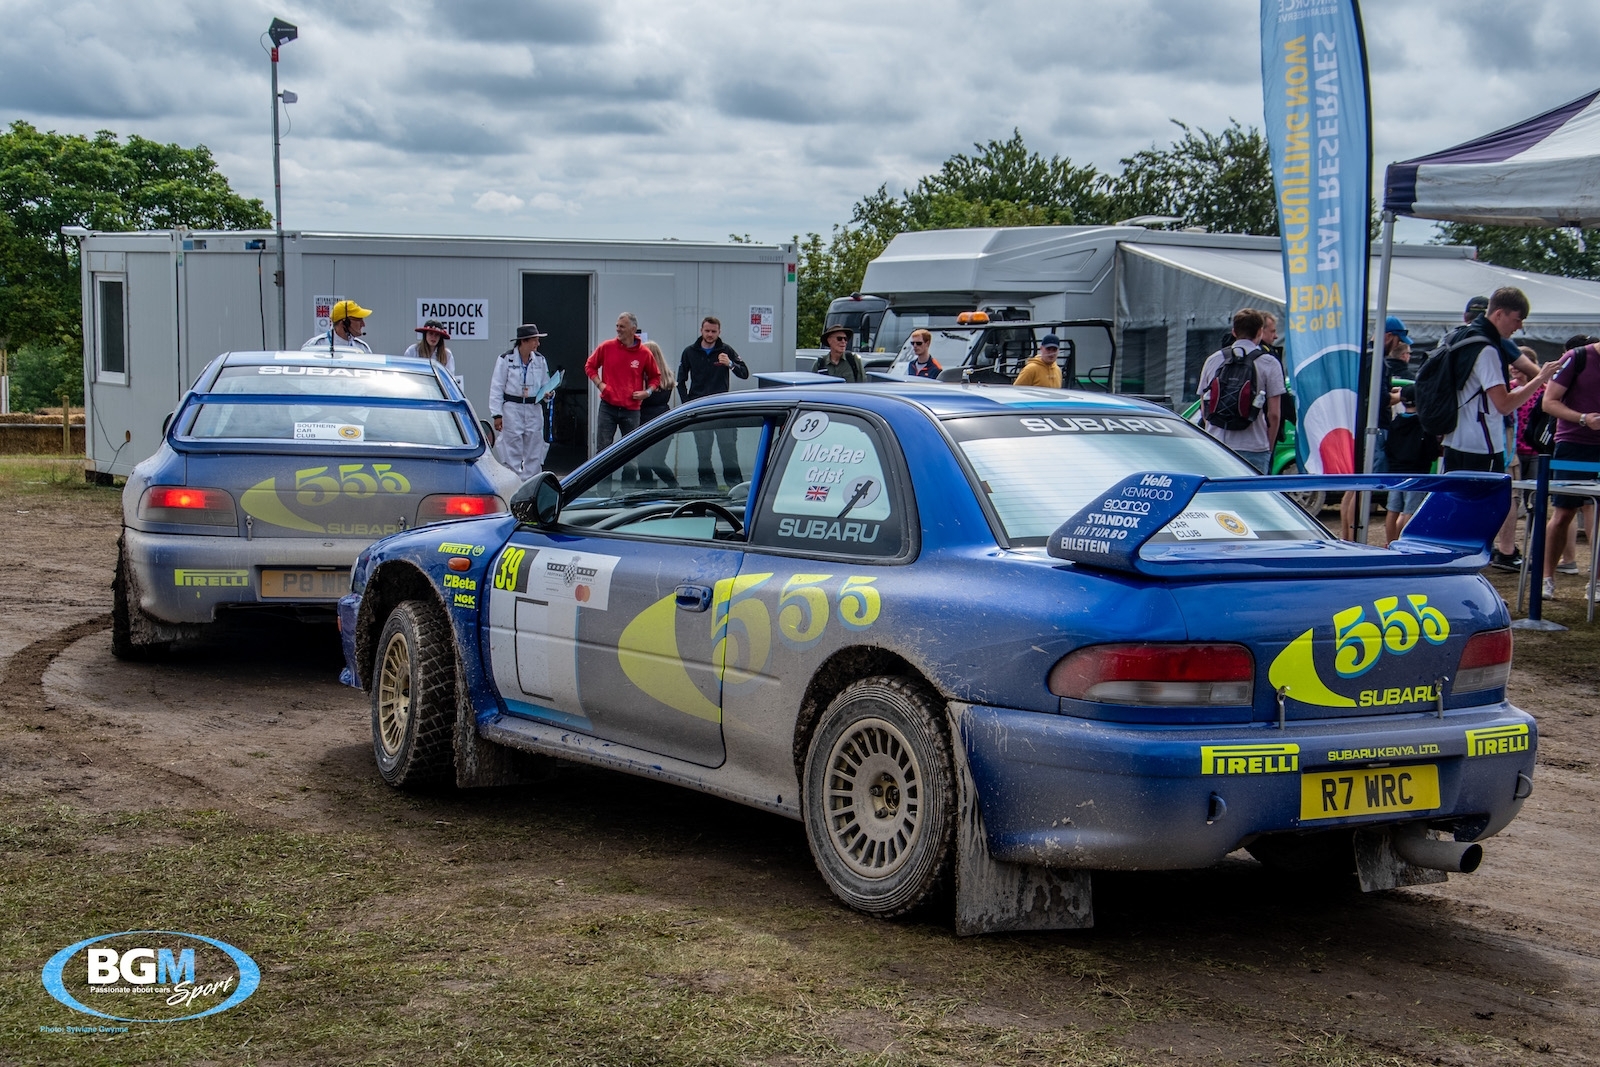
(1453, 529)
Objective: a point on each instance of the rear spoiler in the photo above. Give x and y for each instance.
(1454, 527)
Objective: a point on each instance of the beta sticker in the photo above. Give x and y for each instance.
(1203, 524)
(327, 431)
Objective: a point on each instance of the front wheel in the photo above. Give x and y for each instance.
(879, 801)
(414, 697)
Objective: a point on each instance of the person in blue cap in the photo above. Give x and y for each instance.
(1396, 362)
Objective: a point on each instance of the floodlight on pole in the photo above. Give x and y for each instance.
(280, 33)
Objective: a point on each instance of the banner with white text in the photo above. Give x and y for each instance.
(1314, 88)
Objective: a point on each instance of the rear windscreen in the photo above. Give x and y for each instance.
(1038, 470)
(326, 380)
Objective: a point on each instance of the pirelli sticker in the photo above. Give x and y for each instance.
(238, 579)
(1498, 740)
(1249, 759)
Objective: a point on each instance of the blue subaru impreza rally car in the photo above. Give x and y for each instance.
(1005, 636)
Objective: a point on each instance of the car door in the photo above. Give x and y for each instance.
(617, 622)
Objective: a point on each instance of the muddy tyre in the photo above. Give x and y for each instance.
(124, 645)
(414, 697)
(879, 800)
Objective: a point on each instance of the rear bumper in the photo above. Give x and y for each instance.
(1058, 791)
(181, 578)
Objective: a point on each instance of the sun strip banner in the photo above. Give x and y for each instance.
(1314, 88)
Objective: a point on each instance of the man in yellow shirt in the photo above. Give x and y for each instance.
(1043, 368)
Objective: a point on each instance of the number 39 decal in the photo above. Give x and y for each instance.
(1359, 641)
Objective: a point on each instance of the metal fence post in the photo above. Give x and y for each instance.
(1541, 502)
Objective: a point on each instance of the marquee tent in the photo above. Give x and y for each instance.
(1541, 172)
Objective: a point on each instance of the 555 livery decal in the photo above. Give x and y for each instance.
(1363, 636)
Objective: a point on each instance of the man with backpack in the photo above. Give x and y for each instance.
(1240, 393)
(1573, 397)
(1463, 395)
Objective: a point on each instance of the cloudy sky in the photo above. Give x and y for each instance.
(694, 119)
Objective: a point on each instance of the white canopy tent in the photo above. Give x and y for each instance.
(1544, 171)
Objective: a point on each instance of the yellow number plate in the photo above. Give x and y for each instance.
(1336, 794)
(306, 584)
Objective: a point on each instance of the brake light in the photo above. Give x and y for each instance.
(441, 506)
(187, 504)
(1485, 662)
(1156, 674)
(972, 318)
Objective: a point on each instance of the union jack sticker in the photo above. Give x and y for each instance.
(817, 492)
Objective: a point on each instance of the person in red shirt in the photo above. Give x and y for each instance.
(625, 374)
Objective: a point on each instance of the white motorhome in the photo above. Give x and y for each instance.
(1171, 296)
(159, 305)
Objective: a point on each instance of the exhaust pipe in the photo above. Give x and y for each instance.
(1412, 844)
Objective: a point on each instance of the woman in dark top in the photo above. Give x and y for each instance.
(653, 462)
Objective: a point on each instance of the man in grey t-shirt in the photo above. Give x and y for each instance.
(1254, 442)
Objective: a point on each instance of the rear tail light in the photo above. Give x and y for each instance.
(184, 503)
(1485, 662)
(443, 506)
(1157, 674)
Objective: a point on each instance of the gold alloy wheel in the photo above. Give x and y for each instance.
(394, 694)
(874, 798)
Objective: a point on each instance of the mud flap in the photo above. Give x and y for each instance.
(1379, 867)
(481, 763)
(994, 897)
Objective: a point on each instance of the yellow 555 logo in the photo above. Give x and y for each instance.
(1359, 641)
(1393, 626)
(316, 486)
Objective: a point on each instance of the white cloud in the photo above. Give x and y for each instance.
(494, 200)
(694, 118)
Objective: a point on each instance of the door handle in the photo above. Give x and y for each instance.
(693, 597)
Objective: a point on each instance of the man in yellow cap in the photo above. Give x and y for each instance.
(349, 323)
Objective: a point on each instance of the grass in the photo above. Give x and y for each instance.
(30, 474)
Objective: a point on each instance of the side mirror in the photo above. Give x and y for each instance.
(538, 502)
(166, 423)
(953, 374)
(488, 431)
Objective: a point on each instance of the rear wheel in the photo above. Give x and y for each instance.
(880, 796)
(125, 643)
(1313, 502)
(414, 697)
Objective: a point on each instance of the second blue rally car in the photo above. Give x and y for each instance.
(1005, 636)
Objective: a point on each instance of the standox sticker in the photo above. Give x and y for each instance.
(1363, 637)
(150, 976)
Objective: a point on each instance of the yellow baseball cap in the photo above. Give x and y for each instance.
(348, 309)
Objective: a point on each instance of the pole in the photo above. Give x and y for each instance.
(1541, 501)
(277, 203)
(1367, 419)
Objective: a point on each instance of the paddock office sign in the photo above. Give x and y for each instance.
(467, 319)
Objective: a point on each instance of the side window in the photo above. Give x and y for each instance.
(111, 332)
(833, 490)
(692, 483)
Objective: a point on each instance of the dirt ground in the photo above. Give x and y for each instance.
(572, 921)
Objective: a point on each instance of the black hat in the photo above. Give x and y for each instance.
(1049, 340)
(525, 331)
(837, 328)
(1477, 305)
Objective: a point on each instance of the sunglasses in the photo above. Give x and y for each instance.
(918, 344)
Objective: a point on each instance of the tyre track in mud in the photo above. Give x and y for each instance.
(22, 676)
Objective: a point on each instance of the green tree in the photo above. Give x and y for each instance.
(1530, 248)
(1221, 181)
(1004, 184)
(50, 180)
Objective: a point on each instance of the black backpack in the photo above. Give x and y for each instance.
(1540, 433)
(1231, 398)
(1410, 448)
(1440, 380)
